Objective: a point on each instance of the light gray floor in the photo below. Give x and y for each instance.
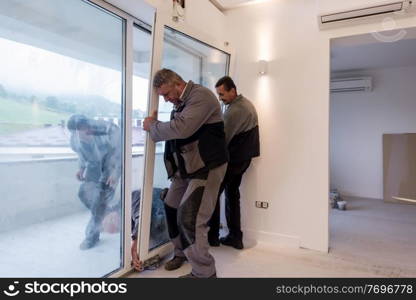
(376, 233)
(51, 249)
(370, 239)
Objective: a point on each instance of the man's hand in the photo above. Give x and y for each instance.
(135, 261)
(149, 120)
(80, 175)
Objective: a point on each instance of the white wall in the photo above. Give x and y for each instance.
(293, 105)
(358, 121)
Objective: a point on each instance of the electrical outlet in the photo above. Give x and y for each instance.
(262, 204)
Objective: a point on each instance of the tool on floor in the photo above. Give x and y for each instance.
(336, 201)
(152, 263)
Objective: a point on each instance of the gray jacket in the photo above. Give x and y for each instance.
(241, 130)
(239, 116)
(199, 106)
(195, 134)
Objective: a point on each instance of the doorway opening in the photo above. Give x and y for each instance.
(372, 151)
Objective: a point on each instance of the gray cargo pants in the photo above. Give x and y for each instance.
(189, 205)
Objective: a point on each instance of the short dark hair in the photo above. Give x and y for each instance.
(165, 76)
(227, 82)
(77, 122)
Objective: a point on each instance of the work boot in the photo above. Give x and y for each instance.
(232, 242)
(88, 244)
(190, 275)
(175, 263)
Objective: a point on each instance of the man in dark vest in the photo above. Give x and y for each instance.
(242, 138)
(196, 160)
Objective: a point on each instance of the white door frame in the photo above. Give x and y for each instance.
(161, 20)
(128, 60)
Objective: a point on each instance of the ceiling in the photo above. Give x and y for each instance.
(229, 4)
(374, 52)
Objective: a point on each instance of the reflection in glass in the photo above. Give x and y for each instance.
(55, 199)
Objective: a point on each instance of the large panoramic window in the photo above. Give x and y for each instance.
(61, 129)
(192, 60)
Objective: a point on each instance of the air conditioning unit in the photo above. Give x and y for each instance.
(381, 9)
(353, 84)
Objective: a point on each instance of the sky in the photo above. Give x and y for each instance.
(35, 70)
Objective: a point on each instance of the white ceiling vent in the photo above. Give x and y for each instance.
(352, 84)
(382, 9)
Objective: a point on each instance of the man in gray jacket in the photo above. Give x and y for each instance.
(242, 138)
(196, 160)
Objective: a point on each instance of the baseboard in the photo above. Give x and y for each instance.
(362, 197)
(272, 238)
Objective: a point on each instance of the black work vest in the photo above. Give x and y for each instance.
(244, 146)
(196, 155)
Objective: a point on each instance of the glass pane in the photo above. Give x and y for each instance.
(61, 87)
(142, 62)
(195, 61)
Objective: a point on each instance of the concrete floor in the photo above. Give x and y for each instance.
(377, 234)
(51, 249)
(370, 239)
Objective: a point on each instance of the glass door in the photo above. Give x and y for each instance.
(61, 139)
(66, 89)
(192, 60)
(142, 54)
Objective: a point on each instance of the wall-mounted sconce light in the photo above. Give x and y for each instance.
(262, 67)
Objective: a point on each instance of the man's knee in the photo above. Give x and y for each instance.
(172, 199)
(188, 213)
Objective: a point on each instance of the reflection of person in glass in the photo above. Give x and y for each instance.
(98, 145)
(158, 230)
